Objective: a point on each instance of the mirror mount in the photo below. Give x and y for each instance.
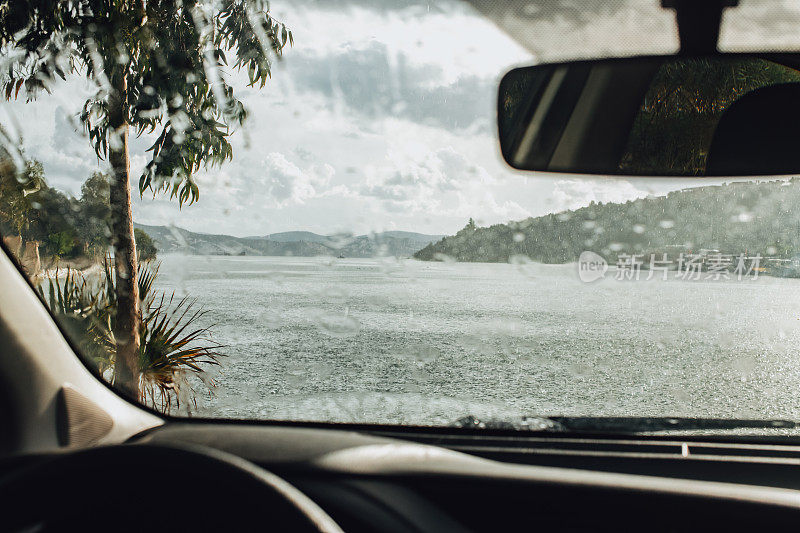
(698, 23)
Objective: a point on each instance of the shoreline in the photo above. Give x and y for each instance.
(63, 271)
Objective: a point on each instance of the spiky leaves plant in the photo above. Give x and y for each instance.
(82, 309)
(173, 348)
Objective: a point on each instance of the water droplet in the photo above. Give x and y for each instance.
(638, 228)
(524, 264)
(378, 300)
(444, 258)
(391, 266)
(475, 343)
(580, 369)
(334, 293)
(340, 240)
(744, 365)
(277, 278)
(418, 372)
(418, 353)
(338, 325)
(326, 261)
(519, 236)
(666, 224)
(295, 374)
(270, 320)
(680, 394)
(425, 353)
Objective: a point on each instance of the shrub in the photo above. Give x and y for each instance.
(62, 244)
(144, 245)
(173, 347)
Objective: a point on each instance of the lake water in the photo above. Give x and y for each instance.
(401, 341)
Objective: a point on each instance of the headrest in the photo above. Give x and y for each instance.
(759, 134)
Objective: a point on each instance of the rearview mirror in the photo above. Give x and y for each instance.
(720, 115)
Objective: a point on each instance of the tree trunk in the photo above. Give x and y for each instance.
(128, 318)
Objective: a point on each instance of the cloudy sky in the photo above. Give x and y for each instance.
(380, 117)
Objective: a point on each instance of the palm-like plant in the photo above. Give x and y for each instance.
(83, 311)
(173, 348)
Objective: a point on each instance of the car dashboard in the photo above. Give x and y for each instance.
(400, 481)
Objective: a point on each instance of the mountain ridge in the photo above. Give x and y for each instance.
(294, 243)
(756, 217)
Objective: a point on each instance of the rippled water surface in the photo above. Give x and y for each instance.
(400, 341)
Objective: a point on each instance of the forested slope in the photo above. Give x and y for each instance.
(749, 217)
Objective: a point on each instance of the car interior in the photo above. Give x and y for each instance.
(77, 454)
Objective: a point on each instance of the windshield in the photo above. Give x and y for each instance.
(299, 211)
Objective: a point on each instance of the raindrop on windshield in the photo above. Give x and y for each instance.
(340, 240)
(524, 264)
(338, 325)
(426, 353)
(580, 369)
(295, 374)
(419, 353)
(270, 320)
(278, 278)
(744, 365)
(391, 266)
(334, 293)
(444, 258)
(326, 261)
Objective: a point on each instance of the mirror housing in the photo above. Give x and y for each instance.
(717, 115)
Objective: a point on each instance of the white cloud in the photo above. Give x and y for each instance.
(419, 183)
(480, 203)
(286, 182)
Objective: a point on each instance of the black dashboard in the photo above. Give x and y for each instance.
(452, 481)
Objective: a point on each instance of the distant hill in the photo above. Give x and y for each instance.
(293, 236)
(745, 217)
(296, 243)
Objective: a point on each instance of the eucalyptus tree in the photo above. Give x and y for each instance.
(159, 68)
(16, 184)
